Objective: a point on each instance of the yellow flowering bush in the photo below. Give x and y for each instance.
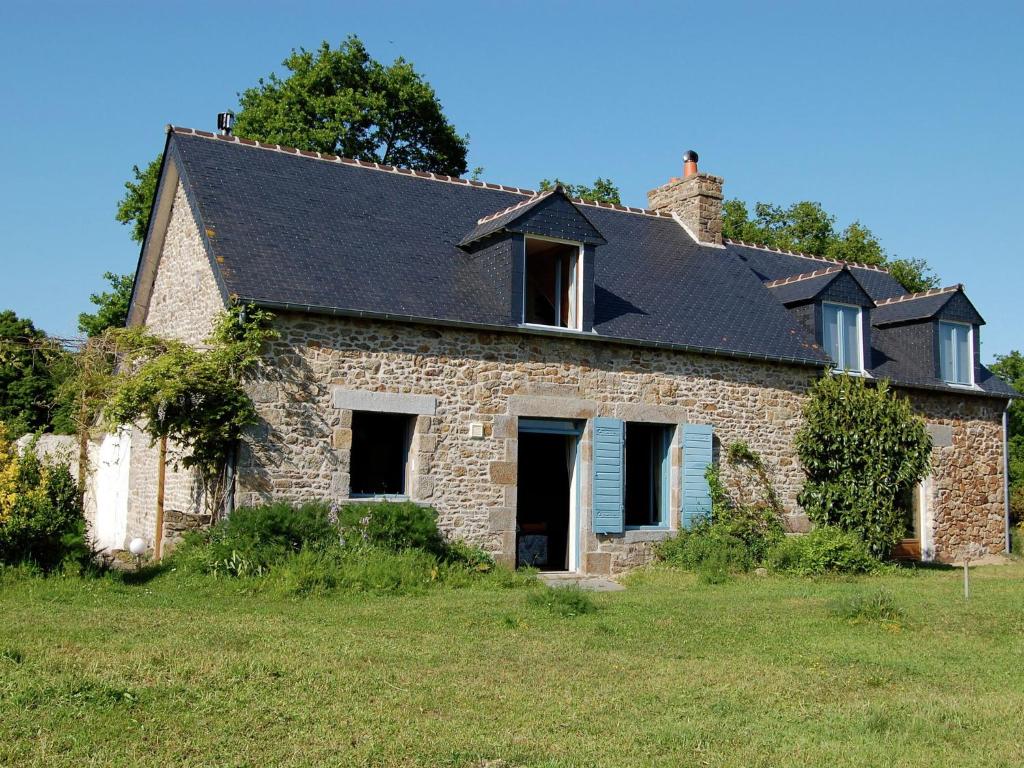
(41, 519)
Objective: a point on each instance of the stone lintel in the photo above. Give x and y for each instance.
(383, 402)
(655, 414)
(542, 406)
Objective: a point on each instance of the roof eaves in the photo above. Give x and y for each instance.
(559, 333)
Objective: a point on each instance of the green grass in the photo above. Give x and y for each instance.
(178, 671)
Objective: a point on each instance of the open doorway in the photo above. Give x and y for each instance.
(546, 520)
(911, 504)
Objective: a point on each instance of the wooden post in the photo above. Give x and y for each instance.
(161, 474)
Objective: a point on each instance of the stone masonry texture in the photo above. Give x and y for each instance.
(184, 303)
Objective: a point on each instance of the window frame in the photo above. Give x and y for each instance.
(407, 456)
(969, 384)
(575, 314)
(663, 475)
(860, 370)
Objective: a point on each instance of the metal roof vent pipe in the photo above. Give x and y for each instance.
(689, 164)
(225, 122)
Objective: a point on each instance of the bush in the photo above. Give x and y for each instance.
(758, 526)
(712, 549)
(392, 525)
(862, 449)
(41, 518)
(255, 538)
(825, 549)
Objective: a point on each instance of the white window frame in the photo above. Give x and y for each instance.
(575, 289)
(970, 354)
(860, 335)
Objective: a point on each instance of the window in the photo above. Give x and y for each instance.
(841, 336)
(551, 284)
(956, 353)
(646, 492)
(380, 453)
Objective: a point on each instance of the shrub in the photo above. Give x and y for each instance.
(567, 601)
(41, 518)
(459, 553)
(392, 525)
(875, 606)
(862, 449)
(758, 526)
(713, 547)
(254, 538)
(825, 549)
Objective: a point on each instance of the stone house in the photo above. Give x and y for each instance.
(552, 375)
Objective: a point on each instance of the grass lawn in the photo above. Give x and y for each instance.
(754, 672)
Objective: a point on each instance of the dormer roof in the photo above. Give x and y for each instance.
(550, 214)
(951, 303)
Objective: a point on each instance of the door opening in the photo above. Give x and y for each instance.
(911, 504)
(546, 500)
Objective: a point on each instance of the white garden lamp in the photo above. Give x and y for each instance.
(137, 547)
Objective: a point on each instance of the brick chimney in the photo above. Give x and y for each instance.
(695, 199)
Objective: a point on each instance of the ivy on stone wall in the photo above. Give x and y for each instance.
(862, 449)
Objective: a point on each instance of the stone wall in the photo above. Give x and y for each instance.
(300, 451)
(967, 490)
(184, 302)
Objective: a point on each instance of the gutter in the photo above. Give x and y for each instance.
(1006, 470)
(530, 330)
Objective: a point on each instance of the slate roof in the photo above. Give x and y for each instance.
(915, 307)
(301, 233)
(308, 232)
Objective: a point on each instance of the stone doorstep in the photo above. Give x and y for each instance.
(557, 580)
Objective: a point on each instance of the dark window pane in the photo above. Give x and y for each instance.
(380, 447)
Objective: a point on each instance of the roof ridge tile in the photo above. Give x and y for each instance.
(804, 276)
(427, 176)
(803, 255)
(920, 295)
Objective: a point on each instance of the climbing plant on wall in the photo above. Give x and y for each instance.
(862, 448)
(192, 396)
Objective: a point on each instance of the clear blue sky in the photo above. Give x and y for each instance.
(907, 116)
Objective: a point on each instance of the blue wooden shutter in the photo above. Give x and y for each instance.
(608, 488)
(696, 459)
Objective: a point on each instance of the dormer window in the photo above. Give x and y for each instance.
(956, 353)
(842, 336)
(551, 288)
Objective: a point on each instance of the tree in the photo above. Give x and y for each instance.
(111, 306)
(134, 208)
(862, 449)
(26, 384)
(338, 101)
(602, 191)
(807, 227)
(1010, 368)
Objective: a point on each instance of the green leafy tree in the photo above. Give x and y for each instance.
(340, 101)
(1010, 368)
(862, 449)
(807, 227)
(601, 191)
(26, 382)
(140, 191)
(111, 306)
